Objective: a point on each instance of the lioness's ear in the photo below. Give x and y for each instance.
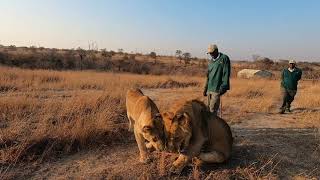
(146, 129)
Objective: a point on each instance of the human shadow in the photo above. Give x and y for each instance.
(284, 152)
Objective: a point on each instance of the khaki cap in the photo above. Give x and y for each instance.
(292, 62)
(212, 47)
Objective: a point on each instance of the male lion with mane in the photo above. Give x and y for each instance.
(193, 131)
(146, 122)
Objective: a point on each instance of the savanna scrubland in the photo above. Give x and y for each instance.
(71, 123)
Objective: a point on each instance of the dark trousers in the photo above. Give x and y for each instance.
(287, 97)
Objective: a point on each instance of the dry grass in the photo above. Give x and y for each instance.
(264, 96)
(45, 114)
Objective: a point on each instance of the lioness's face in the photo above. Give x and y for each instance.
(155, 133)
(177, 128)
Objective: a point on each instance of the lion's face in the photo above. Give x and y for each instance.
(154, 133)
(177, 129)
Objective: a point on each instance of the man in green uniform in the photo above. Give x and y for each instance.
(218, 75)
(289, 82)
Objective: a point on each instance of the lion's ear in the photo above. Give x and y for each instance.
(180, 115)
(146, 129)
(185, 121)
(157, 115)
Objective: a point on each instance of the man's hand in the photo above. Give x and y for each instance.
(205, 93)
(222, 90)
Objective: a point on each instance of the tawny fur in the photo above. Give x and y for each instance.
(146, 122)
(211, 138)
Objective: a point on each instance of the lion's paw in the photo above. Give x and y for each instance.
(145, 160)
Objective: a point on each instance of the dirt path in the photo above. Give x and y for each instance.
(265, 142)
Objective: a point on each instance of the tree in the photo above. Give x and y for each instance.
(153, 55)
(186, 57)
(12, 47)
(106, 54)
(82, 54)
(178, 55)
(112, 53)
(264, 63)
(120, 51)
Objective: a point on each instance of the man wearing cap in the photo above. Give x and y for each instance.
(218, 75)
(289, 82)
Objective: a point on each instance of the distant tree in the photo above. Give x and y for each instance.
(264, 63)
(178, 55)
(120, 51)
(12, 47)
(186, 57)
(112, 53)
(153, 55)
(107, 55)
(82, 54)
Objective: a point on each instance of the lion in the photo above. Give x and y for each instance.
(145, 121)
(193, 131)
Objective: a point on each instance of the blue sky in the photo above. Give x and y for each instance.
(274, 28)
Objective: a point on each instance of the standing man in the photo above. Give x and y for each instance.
(218, 75)
(289, 82)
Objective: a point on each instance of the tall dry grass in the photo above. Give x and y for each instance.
(44, 113)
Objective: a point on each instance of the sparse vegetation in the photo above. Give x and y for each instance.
(49, 115)
(103, 60)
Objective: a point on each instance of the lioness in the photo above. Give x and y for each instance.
(146, 122)
(191, 128)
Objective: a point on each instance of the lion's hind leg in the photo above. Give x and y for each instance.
(212, 157)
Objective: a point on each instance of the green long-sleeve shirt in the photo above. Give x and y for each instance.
(218, 74)
(289, 80)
